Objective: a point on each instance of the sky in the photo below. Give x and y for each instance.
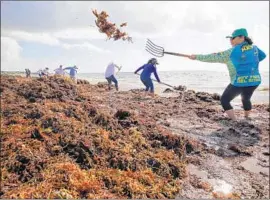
(39, 34)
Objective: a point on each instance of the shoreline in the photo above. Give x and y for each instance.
(261, 95)
(165, 147)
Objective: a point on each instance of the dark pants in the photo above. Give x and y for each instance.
(148, 84)
(112, 79)
(232, 91)
(42, 74)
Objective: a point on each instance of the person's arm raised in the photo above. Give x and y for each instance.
(221, 57)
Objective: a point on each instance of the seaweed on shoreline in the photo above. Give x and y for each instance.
(70, 149)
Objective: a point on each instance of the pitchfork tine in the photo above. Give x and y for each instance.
(153, 53)
(154, 50)
(155, 44)
(150, 52)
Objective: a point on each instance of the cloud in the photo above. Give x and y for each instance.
(85, 45)
(144, 17)
(43, 38)
(54, 38)
(206, 17)
(29, 16)
(79, 34)
(10, 53)
(260, 36)
(184, 27)
(148, 17)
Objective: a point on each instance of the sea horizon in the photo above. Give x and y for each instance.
(199, 81)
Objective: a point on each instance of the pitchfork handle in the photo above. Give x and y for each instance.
(177, 54)
(165, 84)
(160, 82)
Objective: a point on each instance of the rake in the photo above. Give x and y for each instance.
(159, 51)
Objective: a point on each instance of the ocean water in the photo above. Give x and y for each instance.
(204, 81)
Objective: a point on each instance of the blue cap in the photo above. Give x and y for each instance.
(238, 32)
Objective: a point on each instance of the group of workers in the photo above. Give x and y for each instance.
(59, 71)
(242, 61)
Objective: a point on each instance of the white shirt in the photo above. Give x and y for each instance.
(45, 71)
(110, 70)
(59, 71)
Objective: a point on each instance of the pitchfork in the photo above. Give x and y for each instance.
(158, 51)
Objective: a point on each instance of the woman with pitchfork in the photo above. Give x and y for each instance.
(243, 64)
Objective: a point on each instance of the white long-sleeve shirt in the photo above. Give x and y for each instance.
(110, 70)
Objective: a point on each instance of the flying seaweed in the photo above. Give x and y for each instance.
(110, 29)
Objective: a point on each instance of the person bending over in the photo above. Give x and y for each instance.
(145, 76)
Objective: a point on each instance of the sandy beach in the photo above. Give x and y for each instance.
(66, 140)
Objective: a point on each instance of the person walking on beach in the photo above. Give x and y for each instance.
(28, 73)
(145, 76)
(109, 75)
(242, 61)
(72, 72)
(60, 71)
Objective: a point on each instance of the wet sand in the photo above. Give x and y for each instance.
(84, 141)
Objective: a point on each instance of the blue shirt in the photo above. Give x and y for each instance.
(242, 62)
(148, 69)
(72, 71)
(245, 59)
